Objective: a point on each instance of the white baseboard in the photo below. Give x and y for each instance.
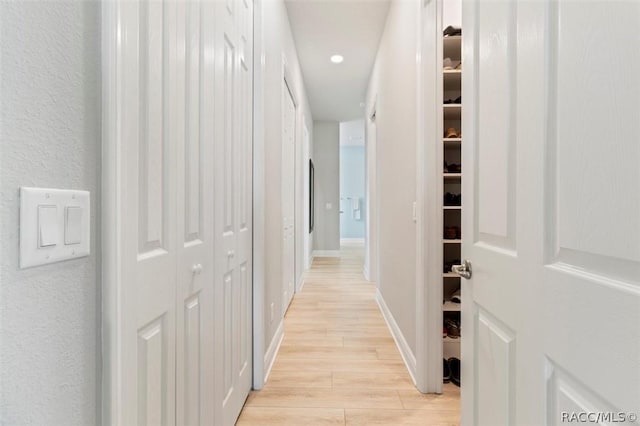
(405, 351)
(352, 240)
(326, 253)
(300, 284)
(272, 351)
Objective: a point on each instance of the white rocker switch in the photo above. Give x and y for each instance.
(47, 226)
(55, 225)
(73, 225)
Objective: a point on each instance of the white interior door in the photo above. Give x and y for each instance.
(232, 198)
(195, 304)
(551, 323)
(288, 194)
(144, 326)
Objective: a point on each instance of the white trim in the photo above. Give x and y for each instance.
(111, 321)
(300, 284)
(352, 240)
(326, 253)
(272, 351)
(365, 272)
(405, 351)
(429, 185)
(259, 191)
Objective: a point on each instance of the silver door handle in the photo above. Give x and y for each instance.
(196, 269)
(463, 270)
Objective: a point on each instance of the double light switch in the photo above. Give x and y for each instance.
(54, 225)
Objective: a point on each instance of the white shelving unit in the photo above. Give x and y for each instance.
(451, 215)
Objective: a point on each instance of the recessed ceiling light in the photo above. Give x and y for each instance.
(337, 59)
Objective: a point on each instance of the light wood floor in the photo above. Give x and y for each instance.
(338, 364)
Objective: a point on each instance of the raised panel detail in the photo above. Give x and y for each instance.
(152, 380)
(244, 168)
(592, 169)
(151, 140)
(193, 136)
(494, 371)
(568, 400)
(193, 370)
(496, 145)
(245, 316)
(229, 133)
(228, 334)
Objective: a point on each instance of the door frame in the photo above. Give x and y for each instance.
(428, 199)
(112, 208)
(370, 267)
(287, 80)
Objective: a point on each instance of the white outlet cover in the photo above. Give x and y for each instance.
(32, 252)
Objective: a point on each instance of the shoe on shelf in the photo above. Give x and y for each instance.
(447, 64)
(450, 233)
(454, 168)
(458, 100)
(448, 101)
(455, 297)
(451, 133)
(454, 369)
(453, 328)
(451, 31)
(458, 67)
(446, 371)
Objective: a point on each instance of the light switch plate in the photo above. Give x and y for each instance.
(45, 213)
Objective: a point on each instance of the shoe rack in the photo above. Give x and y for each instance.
(452, 172)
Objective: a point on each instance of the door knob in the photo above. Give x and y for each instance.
(463, 270)
(196, 269)
(231, 253)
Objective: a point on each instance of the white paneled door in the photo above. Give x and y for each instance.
(233, 120)
(551, 323)
(288, 195)
(178, 178)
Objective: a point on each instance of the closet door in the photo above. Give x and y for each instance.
(144, 336)
(232, 198)
(195, 278)
(288, 195)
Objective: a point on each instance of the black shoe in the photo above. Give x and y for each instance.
(446, 371)
(454, 367)
(452, 31)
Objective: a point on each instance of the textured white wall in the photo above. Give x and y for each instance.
(278, 43)
(49, 136)
(326, 163)
(393, 84)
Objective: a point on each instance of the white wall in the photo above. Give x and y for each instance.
(277, 42)
(394, 90)
(326, 162)
(50, 124)
(352, 132)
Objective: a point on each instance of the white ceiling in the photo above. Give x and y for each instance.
(351, 28)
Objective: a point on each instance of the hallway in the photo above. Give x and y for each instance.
(338, 364)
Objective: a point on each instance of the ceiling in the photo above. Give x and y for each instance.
(351, 28)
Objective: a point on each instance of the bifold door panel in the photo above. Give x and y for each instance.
(182, 103)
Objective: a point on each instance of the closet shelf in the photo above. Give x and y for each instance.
(452, 175)
(451, 241)
(450, 275)
(452, 207)
(451, 307)
(450, 340)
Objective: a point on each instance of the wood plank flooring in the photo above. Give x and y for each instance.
(338, 364)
